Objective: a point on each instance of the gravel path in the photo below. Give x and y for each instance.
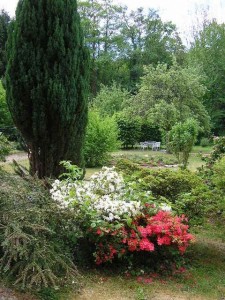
(17, 156)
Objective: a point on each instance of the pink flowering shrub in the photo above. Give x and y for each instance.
(145, 233)
(118, 219)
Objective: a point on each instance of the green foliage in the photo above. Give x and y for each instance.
(122, 42)
(183, 190)
(205, 142)
(129, 130)
(207, 53)
(73, 172)
(182, 138)
(110, 100)
(218, 150)
(5, 147)
(47, 83)
(169, 183)
(169, 95)
(34, 236)
(4, 25)
(5, 118)
(101, 138)
(218, 177)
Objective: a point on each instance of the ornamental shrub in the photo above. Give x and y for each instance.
(182, 138)
(35, 236)
(145, 233)
(185, 191)
(118, 218)
(101, 139)
(161, 182)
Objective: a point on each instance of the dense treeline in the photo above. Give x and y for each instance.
(122, 42)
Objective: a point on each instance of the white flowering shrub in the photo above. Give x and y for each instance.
(117, 218)
(106, 195)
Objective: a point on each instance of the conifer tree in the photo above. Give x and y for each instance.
(47, 81)
(4, 24)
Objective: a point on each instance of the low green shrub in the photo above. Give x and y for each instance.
(34, 236)
(161, 182)
(185, 191)
(205, 142)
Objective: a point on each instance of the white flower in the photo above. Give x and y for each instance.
(106, 194)
(165, 207)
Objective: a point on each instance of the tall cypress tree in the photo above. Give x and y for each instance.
(47, 81)
(4, 24)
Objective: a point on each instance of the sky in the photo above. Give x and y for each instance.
(180, 12)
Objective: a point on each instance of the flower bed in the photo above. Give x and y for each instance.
(119, 219)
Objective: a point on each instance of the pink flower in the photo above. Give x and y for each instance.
(143, 231)
(148, 280)
(146, 245)
(132, 244)
(99, 231)
(165, 240)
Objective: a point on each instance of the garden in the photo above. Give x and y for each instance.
(126, 231)
(112, 155)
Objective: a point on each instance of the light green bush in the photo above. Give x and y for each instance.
(5, 117)
(218, 177)
(182, 138)
(205, 142)
(101, 139)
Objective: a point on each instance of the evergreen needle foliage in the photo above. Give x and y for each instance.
(34, 252)
(47, 80)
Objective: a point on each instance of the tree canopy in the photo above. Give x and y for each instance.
(207, 53)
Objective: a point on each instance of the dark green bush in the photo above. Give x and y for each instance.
(129, 130)
(150, 132)
(166, 182)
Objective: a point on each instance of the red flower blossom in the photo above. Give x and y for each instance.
(99, 231)
(146, 245)
(165, 240)
(132, 244)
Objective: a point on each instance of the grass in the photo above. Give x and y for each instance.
(195, 160)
